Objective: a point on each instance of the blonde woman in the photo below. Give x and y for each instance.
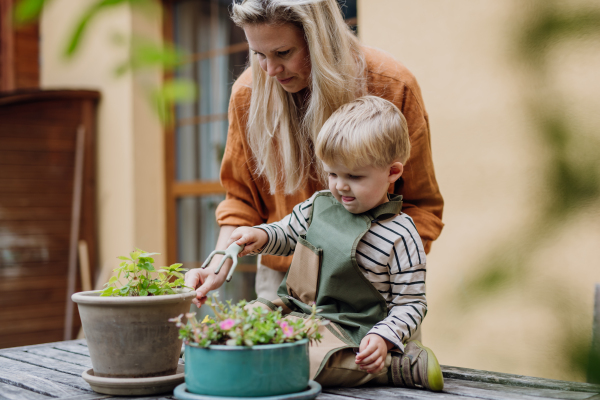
(304, 64)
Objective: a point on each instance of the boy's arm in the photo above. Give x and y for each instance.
(283, 235)
(407, 304)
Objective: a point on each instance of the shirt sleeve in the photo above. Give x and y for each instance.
(408, 305)
(283, 235)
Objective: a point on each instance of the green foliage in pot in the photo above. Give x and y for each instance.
(138, 269)
(244, 325)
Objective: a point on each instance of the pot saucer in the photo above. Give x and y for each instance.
(312, 391)
(134, 386)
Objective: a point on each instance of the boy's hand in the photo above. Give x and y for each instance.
(253, 238)
(372, 352)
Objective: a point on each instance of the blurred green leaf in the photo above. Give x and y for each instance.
(27, 11)
(92, 12)
(177, 90)
(147, 55)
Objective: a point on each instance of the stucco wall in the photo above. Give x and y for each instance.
(490, 161)
(130, 145)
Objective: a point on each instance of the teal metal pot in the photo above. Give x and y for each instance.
(239, 371)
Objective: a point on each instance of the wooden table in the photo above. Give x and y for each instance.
(53, 370)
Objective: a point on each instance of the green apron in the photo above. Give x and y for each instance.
(324, 270)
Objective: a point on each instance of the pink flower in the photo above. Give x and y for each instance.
(227, 324)
(287, 329)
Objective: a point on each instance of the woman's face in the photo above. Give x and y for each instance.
(282, 52)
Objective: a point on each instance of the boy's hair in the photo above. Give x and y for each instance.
(366, 131)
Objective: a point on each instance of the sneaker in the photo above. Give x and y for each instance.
(417, 368)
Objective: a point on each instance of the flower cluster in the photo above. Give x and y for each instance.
(246, 324)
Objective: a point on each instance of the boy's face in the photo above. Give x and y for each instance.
(363, 188)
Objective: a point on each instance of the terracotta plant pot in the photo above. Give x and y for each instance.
(131, 337)
(238, 371)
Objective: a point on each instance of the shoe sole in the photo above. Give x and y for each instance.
(435, 377)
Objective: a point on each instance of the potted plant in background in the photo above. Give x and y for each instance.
(246, 350)
(133, 346)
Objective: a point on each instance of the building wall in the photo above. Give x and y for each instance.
(490, 163)
(130, 148)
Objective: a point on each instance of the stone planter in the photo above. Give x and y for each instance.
(238, 371)
(131, 337)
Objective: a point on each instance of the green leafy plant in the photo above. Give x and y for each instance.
(138, 269)
(244, 325)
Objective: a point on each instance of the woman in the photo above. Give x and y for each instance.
(305, 63)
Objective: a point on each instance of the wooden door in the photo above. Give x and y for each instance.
(37, 157)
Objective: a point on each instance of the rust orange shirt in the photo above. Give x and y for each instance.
(248, 201)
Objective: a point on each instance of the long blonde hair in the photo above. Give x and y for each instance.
(281, 135)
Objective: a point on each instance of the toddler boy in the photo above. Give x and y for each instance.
(356, 255)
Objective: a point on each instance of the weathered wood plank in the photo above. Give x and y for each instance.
(536, 392)
(62, 355)
(43, 345)
(91, 396)
(36, 384)
(516, 380)
(10, 392)
(73, 348)
(456, 387)
(157, 397)
(34, 346)
(329, 396)
(386, 392)
(44, 362)
(74, 381)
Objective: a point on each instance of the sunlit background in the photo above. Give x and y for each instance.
(512, 88)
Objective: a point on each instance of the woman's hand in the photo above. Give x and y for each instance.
(372, 353)
(205, 280)
(254, 239)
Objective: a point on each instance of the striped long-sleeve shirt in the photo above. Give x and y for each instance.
(390, 255)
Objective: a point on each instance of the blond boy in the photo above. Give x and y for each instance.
(356, 255)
